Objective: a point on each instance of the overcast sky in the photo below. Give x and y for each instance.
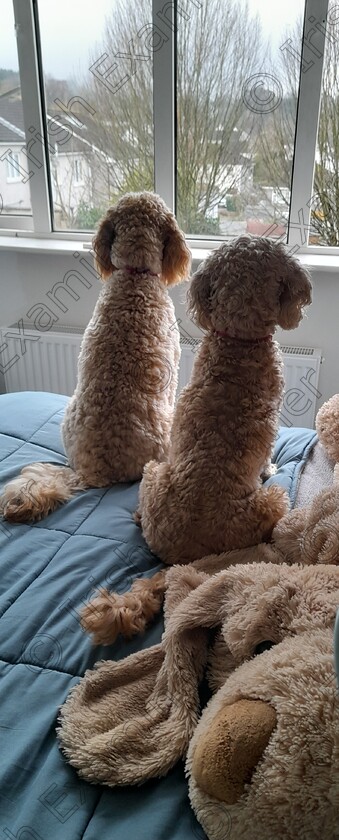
(72, 29)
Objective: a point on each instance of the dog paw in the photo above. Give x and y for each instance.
(268, 471)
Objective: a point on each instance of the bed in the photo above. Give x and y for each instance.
(47, 572)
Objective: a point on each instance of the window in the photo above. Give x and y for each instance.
(99, 112)
(15, 172)
(213, 103)
(236, 117)
(324, 226)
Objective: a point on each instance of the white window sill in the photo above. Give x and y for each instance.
(315, 262)
(19, 242)
(41, 245)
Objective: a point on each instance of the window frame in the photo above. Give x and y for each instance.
(306, 133)
(28, 45)
(39, 225)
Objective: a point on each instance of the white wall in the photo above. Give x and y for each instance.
(27, 281)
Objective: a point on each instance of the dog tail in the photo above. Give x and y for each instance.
(129, 613)
(38, 491)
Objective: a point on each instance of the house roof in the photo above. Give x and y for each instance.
(12, 129)
(258, 228)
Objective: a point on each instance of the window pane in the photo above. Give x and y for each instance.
(15, 170)
(97, 62)
(236, 114)
(325, 195)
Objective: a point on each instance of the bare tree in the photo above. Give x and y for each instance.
(276, 129)
(64, 184)
(123, 122)
(325, 215)
(218, 47)
(276, 139)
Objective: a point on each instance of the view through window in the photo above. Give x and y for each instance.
(238, 70)
(324, 228)
(236, 115)
(15, 170)
(105, 148)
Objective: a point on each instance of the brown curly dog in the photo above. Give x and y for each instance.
(121, 412)
(207, 496)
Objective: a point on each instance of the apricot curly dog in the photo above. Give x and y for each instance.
(121, 412)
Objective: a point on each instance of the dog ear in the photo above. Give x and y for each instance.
(199, 297)
(296, 292)
(102, 244)
(176, 261)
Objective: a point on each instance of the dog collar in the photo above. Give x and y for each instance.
(227, 335)
(132, 270)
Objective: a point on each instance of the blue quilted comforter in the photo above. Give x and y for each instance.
(47, 572)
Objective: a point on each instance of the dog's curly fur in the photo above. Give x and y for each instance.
(120, 415)
(110, 614)
(207, 497)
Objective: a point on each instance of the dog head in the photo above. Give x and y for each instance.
(141, 232)
(248, 288)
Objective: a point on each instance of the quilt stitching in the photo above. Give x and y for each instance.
(90, 512)
(118, 543)
(29, 440)
(42, 668)
(25, 589)
(35, 578)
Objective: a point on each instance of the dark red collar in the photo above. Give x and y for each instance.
(229, 337)
(132, 270)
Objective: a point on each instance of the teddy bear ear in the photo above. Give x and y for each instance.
(104, 720)
(151, 697)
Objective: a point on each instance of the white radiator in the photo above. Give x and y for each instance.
(37, 361)
(301, 393)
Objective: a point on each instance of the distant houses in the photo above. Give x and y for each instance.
(76, 179)
(82, 175)
(14, 185)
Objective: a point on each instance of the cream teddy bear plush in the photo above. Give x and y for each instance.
(262, 759)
